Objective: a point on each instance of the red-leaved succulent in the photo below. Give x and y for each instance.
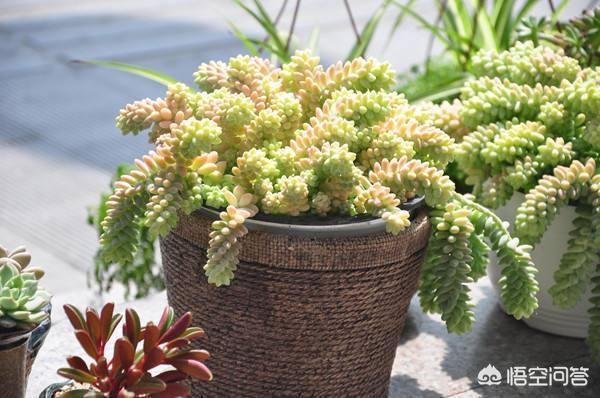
(136, 353)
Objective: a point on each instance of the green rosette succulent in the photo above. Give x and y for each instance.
(22, 301)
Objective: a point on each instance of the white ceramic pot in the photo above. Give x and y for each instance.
(572, 322)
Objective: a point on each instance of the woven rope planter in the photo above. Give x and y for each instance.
(304, 317)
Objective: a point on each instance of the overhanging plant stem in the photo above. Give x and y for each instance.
(306, 139)
(500, 225)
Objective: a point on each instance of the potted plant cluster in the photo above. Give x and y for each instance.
(533, 153)
(151, 361)
(288, 180)
(24, 319)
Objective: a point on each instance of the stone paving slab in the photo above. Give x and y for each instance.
(429, 362)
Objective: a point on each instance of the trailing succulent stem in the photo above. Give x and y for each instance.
(139, 276)
(308, 139)
(457, 256)
(531, 116)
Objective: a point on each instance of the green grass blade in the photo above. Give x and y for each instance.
(272, 29)
(522, 13)
(397, 22)
(452, 26)
(484, 27)
(437, 31)
(559, 10)
(502, 22)
(366, 35)
(460, 17)
(252, 49)
(440, 94)
(267, 25)
(269, 47)
(146, 73)
(313, 40)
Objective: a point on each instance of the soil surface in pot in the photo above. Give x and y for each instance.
(313, 219)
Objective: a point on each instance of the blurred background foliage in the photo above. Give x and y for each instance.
(460, 29)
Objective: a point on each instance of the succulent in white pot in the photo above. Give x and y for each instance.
(573, 321)
(534, 143)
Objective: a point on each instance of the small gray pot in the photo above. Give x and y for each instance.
(53, 389)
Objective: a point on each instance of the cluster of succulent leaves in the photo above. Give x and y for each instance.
(136, 355)
(22, 302)
(143, 274)
(307, 139)
(578, 37)
(532, 113)
(462, 28)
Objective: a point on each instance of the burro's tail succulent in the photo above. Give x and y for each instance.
(532, 113)
(22, 301)
(307, 139)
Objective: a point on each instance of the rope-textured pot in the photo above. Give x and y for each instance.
(316, 316)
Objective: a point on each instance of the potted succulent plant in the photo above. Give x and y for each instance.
(290, 177)
(151, 361)
(24, 319)
(532, 154)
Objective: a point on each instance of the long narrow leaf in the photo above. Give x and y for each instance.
(135, 70)
(397, 23)
(366, 35)
(461, 17)
(270, 27)
(269, 47)
(438, 32)
(502, 17)
(559, 10)
(241, 36)
(452, 26)
(313, 40)
(440, 94)
(485, 26)
(523, 12)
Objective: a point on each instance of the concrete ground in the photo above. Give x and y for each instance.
(59, 146)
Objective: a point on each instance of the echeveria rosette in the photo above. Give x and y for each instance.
(22, 302)
(296, 140)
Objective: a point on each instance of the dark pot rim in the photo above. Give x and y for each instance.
(315, 226)
(12, 335)
(53, 388)
(14, 339)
